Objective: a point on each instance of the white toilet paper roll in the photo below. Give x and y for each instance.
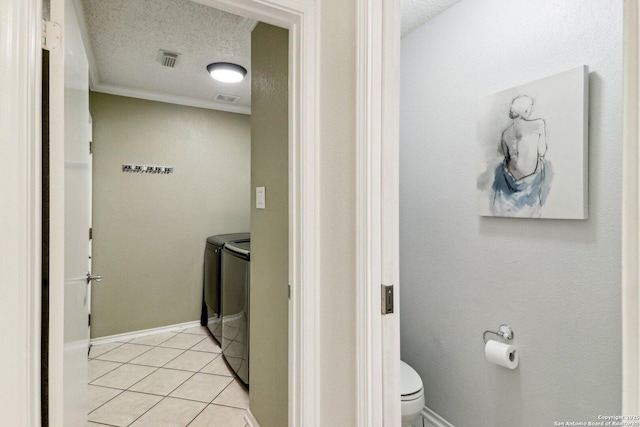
(501, 354)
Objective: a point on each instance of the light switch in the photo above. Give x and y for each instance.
(261, 198)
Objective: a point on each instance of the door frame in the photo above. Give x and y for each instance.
(377, 337)
(631, 212)
(304, 234)
(21, 209)
(20, 280)
(377, 233)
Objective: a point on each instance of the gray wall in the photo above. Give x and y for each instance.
(556, 282)
(270, 226)
(150, 230)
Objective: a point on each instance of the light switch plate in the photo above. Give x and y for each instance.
(261, 198)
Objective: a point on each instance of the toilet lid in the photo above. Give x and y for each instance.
(410, 381)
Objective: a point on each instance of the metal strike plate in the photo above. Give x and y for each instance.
(387, 299)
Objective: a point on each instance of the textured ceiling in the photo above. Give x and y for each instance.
(417, 12)
(123, 38)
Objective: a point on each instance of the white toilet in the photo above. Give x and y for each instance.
(412, 394)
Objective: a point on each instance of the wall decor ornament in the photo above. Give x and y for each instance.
(534, 149)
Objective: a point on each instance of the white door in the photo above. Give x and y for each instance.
(69, 301)
(77, 189)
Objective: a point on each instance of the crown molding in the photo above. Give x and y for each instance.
(170, 99)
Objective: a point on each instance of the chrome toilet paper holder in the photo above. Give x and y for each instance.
(504, 331)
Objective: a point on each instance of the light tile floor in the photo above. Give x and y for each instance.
(172, 379)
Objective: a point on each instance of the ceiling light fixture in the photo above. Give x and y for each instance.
(227, 72)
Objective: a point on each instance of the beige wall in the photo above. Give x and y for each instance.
(150, 230)
(337, 163)
(269, 227)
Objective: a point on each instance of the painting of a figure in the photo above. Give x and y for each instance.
(520, 184)
(534, 152)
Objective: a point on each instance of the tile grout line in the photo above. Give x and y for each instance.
(91, 345)
(117, 361)
(141, 415)
(182, 398)
(100, 406)
(197, 415)
(125, 363)
(179, 385)
(219, 393)
(157, 369)
(228, 406)
(176, 369)
(102, 424)
(162, 366)
(97, 378)
(227, 386)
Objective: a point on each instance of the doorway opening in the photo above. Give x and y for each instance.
(143, 224)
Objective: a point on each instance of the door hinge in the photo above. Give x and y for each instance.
(91, 233)
(387, 299)
(89, 319)
(51, 35)
(289, 291)
(90, 147)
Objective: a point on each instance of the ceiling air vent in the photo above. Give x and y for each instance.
(232, 99)
(167, 59)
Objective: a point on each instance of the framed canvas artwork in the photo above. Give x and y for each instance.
(534, 150)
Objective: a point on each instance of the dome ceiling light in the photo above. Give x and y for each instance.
(227, 72)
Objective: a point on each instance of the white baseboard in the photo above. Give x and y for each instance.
(137, 334)
(250, 419)
(434, 418)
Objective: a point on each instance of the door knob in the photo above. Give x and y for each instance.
(96, 277)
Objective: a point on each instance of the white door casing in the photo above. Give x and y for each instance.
(631, 213)
(20, 210)
(378, 335)
(56, 222)
(390, 206)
